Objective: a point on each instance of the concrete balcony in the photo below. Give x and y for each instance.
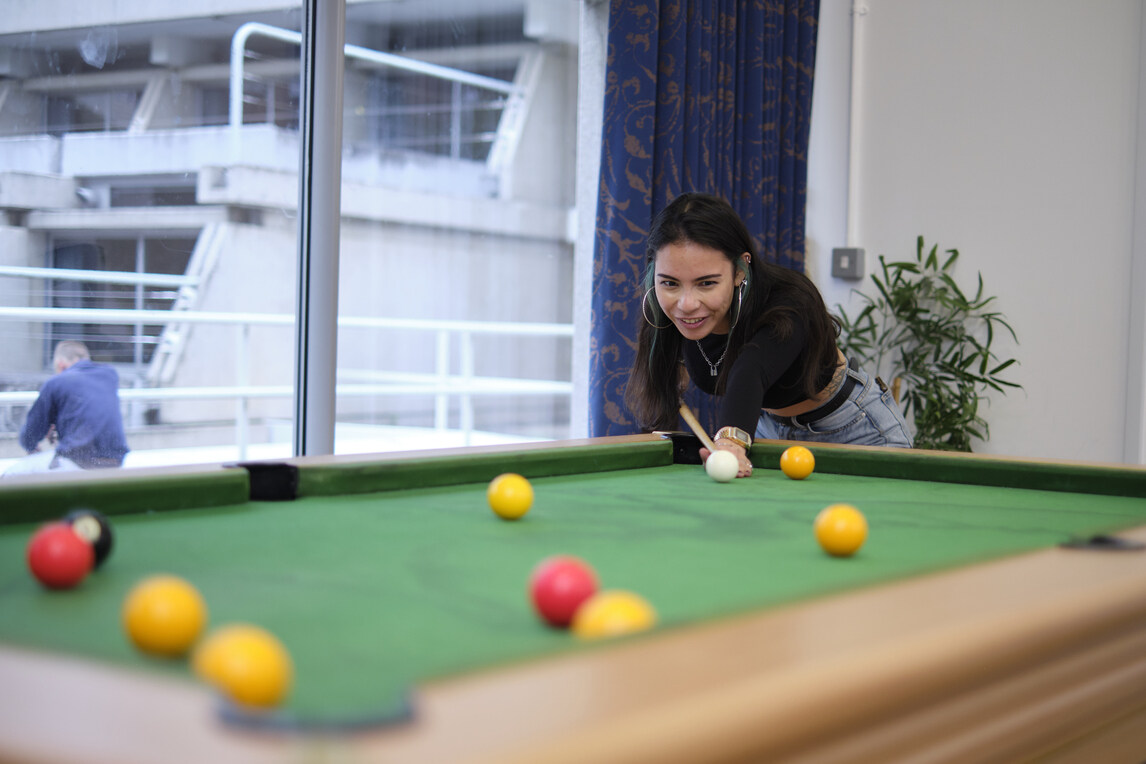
(184, 152)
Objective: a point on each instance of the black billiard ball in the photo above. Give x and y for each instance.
(94, 528)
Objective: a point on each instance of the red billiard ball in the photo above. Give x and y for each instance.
(558, 586)
(58, 558)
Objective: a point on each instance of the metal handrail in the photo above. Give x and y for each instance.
(124, 316)
(440, 383)
(102, 277)
(253, 28)
(429, 384)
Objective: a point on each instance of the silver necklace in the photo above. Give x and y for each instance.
(712, 367)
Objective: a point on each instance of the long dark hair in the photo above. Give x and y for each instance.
(653, 392)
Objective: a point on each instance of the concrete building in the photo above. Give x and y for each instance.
(161, 139)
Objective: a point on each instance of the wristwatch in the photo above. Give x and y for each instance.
(736, 435)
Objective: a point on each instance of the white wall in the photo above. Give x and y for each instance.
(1008, 131)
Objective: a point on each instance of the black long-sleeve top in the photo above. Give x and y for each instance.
(766, 374)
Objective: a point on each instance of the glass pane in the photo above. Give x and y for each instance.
(456, 265)
(137, 222)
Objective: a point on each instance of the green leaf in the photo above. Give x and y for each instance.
(1003, 365)
(950, 282)
(933, 257)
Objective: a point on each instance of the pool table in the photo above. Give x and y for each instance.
(997, 611)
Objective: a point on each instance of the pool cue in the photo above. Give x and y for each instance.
(688, 416)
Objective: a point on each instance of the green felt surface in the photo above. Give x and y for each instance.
(376, 592)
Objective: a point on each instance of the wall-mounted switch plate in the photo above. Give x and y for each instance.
(847, 263)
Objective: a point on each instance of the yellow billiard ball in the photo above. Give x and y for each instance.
(510, 496)
(246, 663)
(841, 529)
(797, 462)
(613, 613)
(164, 615)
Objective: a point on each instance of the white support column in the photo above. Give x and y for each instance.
(6, 89)
(153, 94)
(511, 124)
(590, 112)
(442, 369)
(1134, 442)
(243, 380)
(855, 123)
(319, 216)
(467, 375)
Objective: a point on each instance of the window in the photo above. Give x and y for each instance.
(155, 219)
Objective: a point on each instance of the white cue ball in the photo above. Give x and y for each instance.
(722, 466)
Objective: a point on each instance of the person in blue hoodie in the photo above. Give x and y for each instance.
(81, 404)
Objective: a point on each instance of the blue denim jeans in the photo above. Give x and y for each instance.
(869, 417)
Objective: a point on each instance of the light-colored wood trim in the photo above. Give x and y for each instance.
(1123, 739)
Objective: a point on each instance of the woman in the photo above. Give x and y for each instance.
(755, 334)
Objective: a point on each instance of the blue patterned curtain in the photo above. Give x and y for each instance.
(700, 95)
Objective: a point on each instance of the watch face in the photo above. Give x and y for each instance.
(734, 433)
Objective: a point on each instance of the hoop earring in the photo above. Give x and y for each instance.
(739, 303)
(645, 315)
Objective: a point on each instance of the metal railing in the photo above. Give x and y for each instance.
(440, 383)
(457, 76)
(101, 277)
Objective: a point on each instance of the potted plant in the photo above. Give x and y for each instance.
(934, 342)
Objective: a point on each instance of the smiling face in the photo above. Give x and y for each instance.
(695, 286)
